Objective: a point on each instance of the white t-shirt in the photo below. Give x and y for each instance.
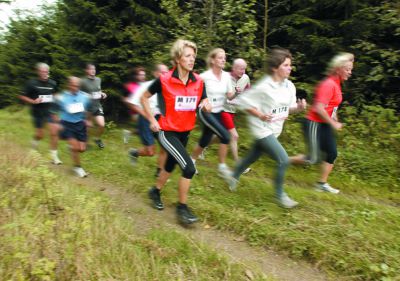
(269, 97)
(217, 89)
(243, 83)
(135, 99)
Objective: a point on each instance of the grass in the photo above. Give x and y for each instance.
(52, 229)
(352, 236)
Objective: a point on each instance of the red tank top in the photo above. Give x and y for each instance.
(328, 92)
(180, 102)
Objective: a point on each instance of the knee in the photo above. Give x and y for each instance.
(235, 137)
(283, 162)
(189, 172)
(331, 157)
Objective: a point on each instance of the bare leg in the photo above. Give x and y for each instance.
(326, 169)
(298, 159)
(162, 179)
(234, 144)
(147, 150)
(75, 150)
(183, 185)
(162, 157)
(53, 129)
(223, 151)
(100, 125)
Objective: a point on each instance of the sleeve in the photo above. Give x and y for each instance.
(99, 83)
(230, 87)
(293, 101)
(250, 98)
(28, 90)
(155, 87)
(139, 93)
(204, 93)
(324, 92)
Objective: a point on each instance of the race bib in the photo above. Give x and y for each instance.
(183, 103)
(46, 98)
(280, 113)
(96, 95)
(75, 107)
(217, 103)
(334, 114)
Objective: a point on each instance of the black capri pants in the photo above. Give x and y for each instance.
(175, 144)
(212, 124)
(321, 141)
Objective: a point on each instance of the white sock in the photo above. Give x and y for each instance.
(54, 153)
(222, 166)
(194, 161)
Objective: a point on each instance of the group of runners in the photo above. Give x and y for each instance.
(167, 107)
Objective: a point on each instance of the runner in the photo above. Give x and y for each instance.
(180, 93)
(73, 106)
(219, 87)
(145, 133)
(240, 83)
(269, 103)
(39, 93)
(322, 120)
(137, 76)
(92, 85)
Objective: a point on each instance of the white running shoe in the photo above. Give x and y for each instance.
(194, 163)
(247, 170)
(55, 160)
(126, 135)
(224, 172)
(232, 183)
(80, 172)
(202, 156)
(326, 187)
(286, 202)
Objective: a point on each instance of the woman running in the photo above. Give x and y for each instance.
(219, 87)
(322, 120)
(180, 93)
(269, 103)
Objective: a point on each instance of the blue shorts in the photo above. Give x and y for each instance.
(145, 133)
(40, 118)
(74, 131)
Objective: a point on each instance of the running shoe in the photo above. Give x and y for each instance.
(202, 156)
(247, 170)
(194, 163)
(133, 155)
(55, 160)
(99, 143)
(80, 172)
(155, 196)
(286, 202)
(126, 135)
(185, 215)
(224, 172)
(232, 183)
(321, 187)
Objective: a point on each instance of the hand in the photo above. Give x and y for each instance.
(205, 106)
(301, 104)
(37, 101)
(88, 123)
(337, 125)
(265, 117)
(154, 126)
(238, 90)
(103, 95)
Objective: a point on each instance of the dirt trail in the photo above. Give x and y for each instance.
(145, 218)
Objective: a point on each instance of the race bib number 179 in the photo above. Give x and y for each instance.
(184, 103)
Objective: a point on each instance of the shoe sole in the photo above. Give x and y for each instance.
(187, 221)
(323, 190)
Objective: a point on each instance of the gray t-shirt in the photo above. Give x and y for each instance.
(93, 88)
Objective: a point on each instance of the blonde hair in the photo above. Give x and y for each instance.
(178, 47)
(339, 61)
(212, 54)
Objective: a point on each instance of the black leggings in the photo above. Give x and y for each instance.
(212, 125)
(321, 139)
(174, 143)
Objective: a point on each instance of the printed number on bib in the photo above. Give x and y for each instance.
(334, 116)
(96, 95)
(280, 113)
(217, 103)
(75, 107)
(46, 98)
(183, 103)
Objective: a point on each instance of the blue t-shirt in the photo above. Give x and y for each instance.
(73, 107)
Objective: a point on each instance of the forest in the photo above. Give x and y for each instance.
(118, 35)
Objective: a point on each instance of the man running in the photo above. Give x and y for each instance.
(73, 107)
(39, 93)
(145, 133)
(240, 83)
(92, 85)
